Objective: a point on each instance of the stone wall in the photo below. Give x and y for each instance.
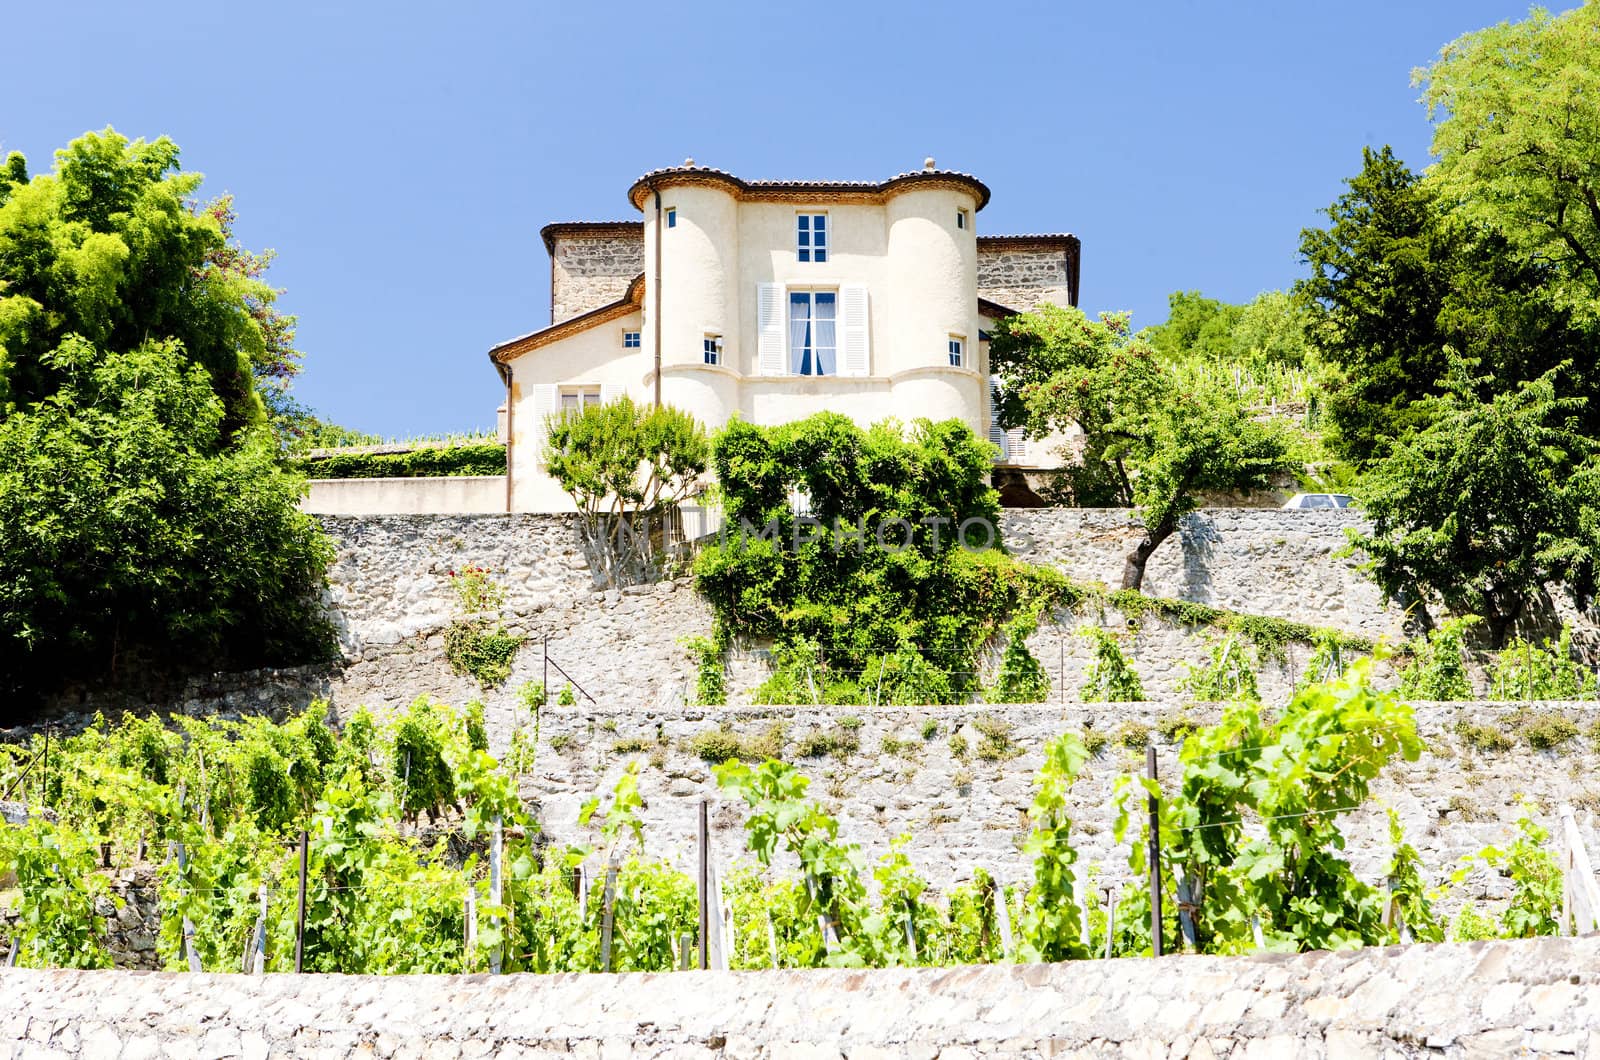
(928, 772)
(589, 271)
(1260, 561)
(1537, 997)
(1022, 277)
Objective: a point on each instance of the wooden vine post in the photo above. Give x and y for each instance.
(1154, 854)
(300, 906)
(703, 883)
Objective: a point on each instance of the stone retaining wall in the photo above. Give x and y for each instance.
(962, 797)
(1539, 997)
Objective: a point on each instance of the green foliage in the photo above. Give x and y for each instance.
(113, 250)
(484, 458)
(1158, 441)
(477, 643)
(1438, 669)
(875, 574)
(1518, 140)
(421, 775)
(711, 680)
(1488, 739)
(567, 698)
(1486, 504)
(56, 923)
(1536, 882)
(168, 545)
(1525, 671)
(994, 739)
(143, 516)
(1408, 892)
(1226, 674)
(1255, 826)
(1269, 635)
(1400, 283)
(1049, 927)
(1022, 678)
(1110, 678)
(722, 744)
(624, 464)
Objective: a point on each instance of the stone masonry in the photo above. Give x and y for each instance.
(1022, 277)
(589, 271)
(1523, 998)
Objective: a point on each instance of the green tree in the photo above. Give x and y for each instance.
(112, 246)
(128, 532)
(1160, 442)
(1400, 282)
(624, 464)
(1486, 504)
(1518, 139)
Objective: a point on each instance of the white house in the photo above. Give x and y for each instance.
(773, 300)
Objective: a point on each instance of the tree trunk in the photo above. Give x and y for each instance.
(1133, 566)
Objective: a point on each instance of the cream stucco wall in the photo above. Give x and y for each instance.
(594, 357)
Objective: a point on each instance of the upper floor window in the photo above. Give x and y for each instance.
(576, 397)
(958, 352)
(672, 217)
(811, 236)
(961, 218)
(813, 332)
(630, 340)
(711, 346)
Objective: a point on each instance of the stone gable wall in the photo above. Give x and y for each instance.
(1021, 278)
(589, 272)
(1536, 997)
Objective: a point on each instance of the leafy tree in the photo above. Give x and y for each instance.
(1158, 442)
(1268, 330)
(623, 464)
(126, 530)
(1518, 139)
(1485, 505)
(1400, 283)
(112, 247)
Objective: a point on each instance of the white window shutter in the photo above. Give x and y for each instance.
(853, 344)
(996, 435)
(770, 327)
(609, 392)
(545, 402)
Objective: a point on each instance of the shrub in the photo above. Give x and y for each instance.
(1110, 679)
(1022, 679)
(488, 458)
(1438, 670)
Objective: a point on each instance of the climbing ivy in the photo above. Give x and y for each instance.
(1110, 678)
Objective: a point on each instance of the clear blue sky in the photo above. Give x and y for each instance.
(401, 158)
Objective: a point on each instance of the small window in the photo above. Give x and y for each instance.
(576, 397)
(711, 346)
(672, 217)
(630, 340)
(958, 352)
(811, 236)
(961, 219)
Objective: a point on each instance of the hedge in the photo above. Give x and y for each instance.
(431, 462)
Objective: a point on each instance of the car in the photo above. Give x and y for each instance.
(1303, 501)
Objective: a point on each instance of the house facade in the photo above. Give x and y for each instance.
(773, 300)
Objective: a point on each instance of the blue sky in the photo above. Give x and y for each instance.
(402, 158)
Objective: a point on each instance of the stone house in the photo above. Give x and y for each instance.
(773, 300)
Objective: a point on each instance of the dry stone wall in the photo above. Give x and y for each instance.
(1537, 997)
(958, 780)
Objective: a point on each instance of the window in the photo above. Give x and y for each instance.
(712, 348)
(576, 397)
(958, 352)
(813, 342)
(961, 218)
(630, 340)
(811, 236)
(672, 217)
